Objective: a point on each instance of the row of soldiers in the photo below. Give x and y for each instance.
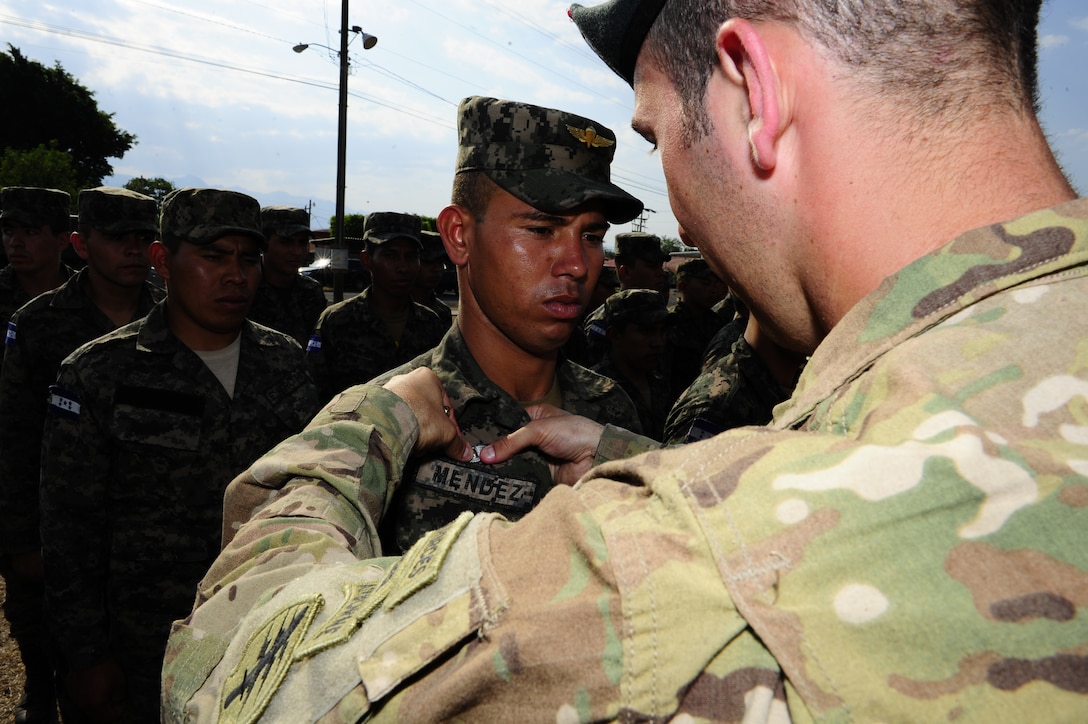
(125, 410)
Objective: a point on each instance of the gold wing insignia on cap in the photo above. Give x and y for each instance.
(589, 137)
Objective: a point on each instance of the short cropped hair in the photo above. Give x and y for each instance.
(473, 190)
(939, 53)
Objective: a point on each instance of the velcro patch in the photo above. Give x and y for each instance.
(10, 338)
(358, 605)
(465, 482)
(423, 561)
(265, 661)
(63, 403)
(597, 329)
(314, 344)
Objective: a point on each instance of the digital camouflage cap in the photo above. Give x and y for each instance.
(33, 206)
(639, 306)
(285, 220)
(433, 248)
(383, 226)
(200, 216)
(552, 160)
(616, 30)
(117, 211)
(640, 245)
(696, 267)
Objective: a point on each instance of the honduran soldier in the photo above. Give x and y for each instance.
(907, 539)
(36, 225)
(286, 300)
(432, 264)
(636, 321)
(360, 338)
(146, 427)
(692, 321)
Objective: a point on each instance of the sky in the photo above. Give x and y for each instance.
(216, 97)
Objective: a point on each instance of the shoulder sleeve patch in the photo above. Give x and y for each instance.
(10, 338)
(63, 403)
(265, 661)
(314, 344)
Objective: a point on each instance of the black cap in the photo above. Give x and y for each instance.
(616, 29)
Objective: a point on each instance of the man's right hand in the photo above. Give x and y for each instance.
(569, 442)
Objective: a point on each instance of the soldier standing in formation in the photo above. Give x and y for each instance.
(636, 320)
(907, 540)
(432, 263)
(692, 321)
(36, 226)
(358, 339)
(146, 427)
(286, 301)
(114, 231)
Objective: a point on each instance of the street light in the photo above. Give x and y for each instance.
(369, 41)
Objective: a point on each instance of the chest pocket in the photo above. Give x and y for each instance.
(159, 418)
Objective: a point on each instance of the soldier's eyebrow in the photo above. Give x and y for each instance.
(542, 217)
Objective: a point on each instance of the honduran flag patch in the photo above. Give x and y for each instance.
(63, 403)
(10, 338)
(314, 344)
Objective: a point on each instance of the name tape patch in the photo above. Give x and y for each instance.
(462, 481)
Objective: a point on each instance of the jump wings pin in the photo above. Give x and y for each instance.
(589, 137)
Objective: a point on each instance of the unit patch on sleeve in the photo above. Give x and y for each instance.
(265, 662)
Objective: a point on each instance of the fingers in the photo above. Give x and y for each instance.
(510, 445)
(438, 429)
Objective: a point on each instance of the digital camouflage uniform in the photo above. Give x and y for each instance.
(39, 337)
(734, 388)
(689, 333)
(908, 542)
(435, 491)
(651, 416)
(293, 311)
(142, 441)
(351, 345)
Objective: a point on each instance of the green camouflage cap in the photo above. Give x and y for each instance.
(552, 160)
(640, 306)
(285, 220)
(117, 211)
(640, 245)
(608, 277)
(200, 216)
(616, 29)
(383, 226)
(433, 248)
(696, 267)
(32, 206)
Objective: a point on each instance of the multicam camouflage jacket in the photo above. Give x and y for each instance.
(293, 311)
(734, 388)
(140, 441)
(351, 345)
(907, 541)
(39, 336)
(437, 490)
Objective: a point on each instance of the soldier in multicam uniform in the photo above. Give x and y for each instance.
(286, 301)
(906, 541)
(530, 205)
(146, 426)
(360, 338)
(114, 230)
(692, 321)
(432, 263)
(635, 320)
(35, 225)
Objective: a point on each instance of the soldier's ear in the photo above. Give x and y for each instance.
(160, 259)
(456, 224)
(79, 244)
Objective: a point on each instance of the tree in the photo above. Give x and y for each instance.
(40, 166)
(670, 244)
(157, 188)
(61, 114)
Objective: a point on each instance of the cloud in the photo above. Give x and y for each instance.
(1053, 41)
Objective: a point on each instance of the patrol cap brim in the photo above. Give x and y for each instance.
(615, 30)
(559, 192)
(127, 226)
(204, 234)
(23, 218)
(292, 229)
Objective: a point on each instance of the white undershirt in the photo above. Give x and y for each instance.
(224, 363)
